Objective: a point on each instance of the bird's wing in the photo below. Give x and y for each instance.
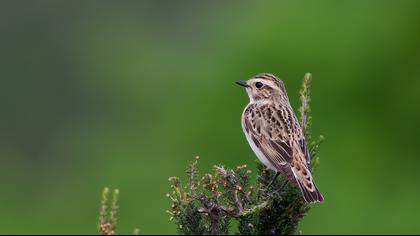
(305, 150)
(268, 130)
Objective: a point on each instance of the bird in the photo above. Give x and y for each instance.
(275, 135)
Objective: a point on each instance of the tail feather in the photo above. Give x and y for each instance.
(310, 196)
(306, 183)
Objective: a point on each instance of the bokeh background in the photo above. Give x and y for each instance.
(123, 93)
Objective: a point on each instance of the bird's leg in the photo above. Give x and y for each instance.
(282, 187)
(267, 189)
(278, 191)
(274, 180)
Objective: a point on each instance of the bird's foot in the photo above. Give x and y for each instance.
(276, 192)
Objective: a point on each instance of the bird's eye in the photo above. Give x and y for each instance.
(258, 84)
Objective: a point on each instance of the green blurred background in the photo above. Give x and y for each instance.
(123, 93)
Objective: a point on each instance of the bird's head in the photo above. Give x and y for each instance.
(263, 87)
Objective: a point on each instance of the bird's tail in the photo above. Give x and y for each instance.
(310, 196)
(306, 184)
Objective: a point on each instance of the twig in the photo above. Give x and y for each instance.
(108, 220)
(114, 208)
(104, 203)
(238, 202)
(305, 100)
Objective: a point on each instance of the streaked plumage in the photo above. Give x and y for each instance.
(275, 135)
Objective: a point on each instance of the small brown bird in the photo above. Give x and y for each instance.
(275, 135)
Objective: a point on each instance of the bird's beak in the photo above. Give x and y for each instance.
(242, 83)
